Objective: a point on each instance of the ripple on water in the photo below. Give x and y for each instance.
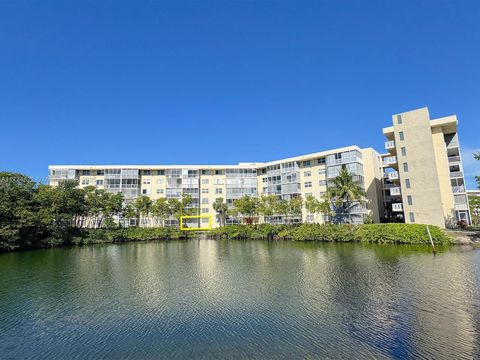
(221, 299)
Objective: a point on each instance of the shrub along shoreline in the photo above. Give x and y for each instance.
(367, 233)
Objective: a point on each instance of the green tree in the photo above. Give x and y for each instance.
(143, 206)
(247, 208)
(323, 206)
(295, 207)
(221, 208)
(267, 206)
(161, 209)
(474, 202)
(18, 214)
(345, 193)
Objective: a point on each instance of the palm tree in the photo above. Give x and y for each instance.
(345, 192)
(221, 208)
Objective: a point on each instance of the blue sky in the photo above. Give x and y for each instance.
(167, 82)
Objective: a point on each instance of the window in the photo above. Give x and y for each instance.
(204, 191)
(307, 195)
(407, 183)
(322, 182)
(307, 173)
(322, 171)
(85, 182)
(264, 190)
(218, 191)
(205, 172)
(146, 182)
(405, 167)
(412, 217)
(99, 182)
(159, 191)
(309, 218)
(147, 172)
(85, 172)
(409, 200)
(308, 184)
(401, 135)
(218, 172)
(160, 181)
(146, 191)
(204, 181)
(399, 119)
(306, 163)
(264, 179)
(161, 172)
(321, 160)
(404, 151)
(100, 172)
(205, 210)
(205, 201)
(205, 220)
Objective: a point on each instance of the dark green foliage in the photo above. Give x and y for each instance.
(97, 236)
(371, 233)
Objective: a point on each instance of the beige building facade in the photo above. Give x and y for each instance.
(424, 180)
(299, 176)
(419, 180)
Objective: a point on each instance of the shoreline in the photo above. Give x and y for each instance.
(383, 234)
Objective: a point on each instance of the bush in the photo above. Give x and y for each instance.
(371, 233)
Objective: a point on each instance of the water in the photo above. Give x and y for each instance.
(233, 299)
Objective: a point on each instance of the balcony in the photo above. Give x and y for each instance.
(458, 189)
(392, 175)
(397, 207)
(452, 144)
(454, 159)
(389, 145)
(461, 207)
(394, 191)
(456, 174)
(390, 160)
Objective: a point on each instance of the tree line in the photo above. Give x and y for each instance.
(37, 215)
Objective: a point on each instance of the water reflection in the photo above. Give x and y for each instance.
(205, 298)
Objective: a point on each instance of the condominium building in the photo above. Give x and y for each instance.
(424, 180)
(293, 177)
(419, 180)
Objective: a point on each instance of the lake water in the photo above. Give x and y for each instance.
(234, 299)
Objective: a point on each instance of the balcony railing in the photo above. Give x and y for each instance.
(389, 160)
(452, 159)
(461, 207)
(392, 175)
(395, 191)
(452, 144)
(458, 189)
(389, 144)
(397, 207)
(456, 174)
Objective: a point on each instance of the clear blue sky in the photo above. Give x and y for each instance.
(167, 82)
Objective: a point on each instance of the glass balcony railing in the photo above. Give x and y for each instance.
(390, 160)
(392, 175)
(397, 207)
(456, 174)
(389, 144)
